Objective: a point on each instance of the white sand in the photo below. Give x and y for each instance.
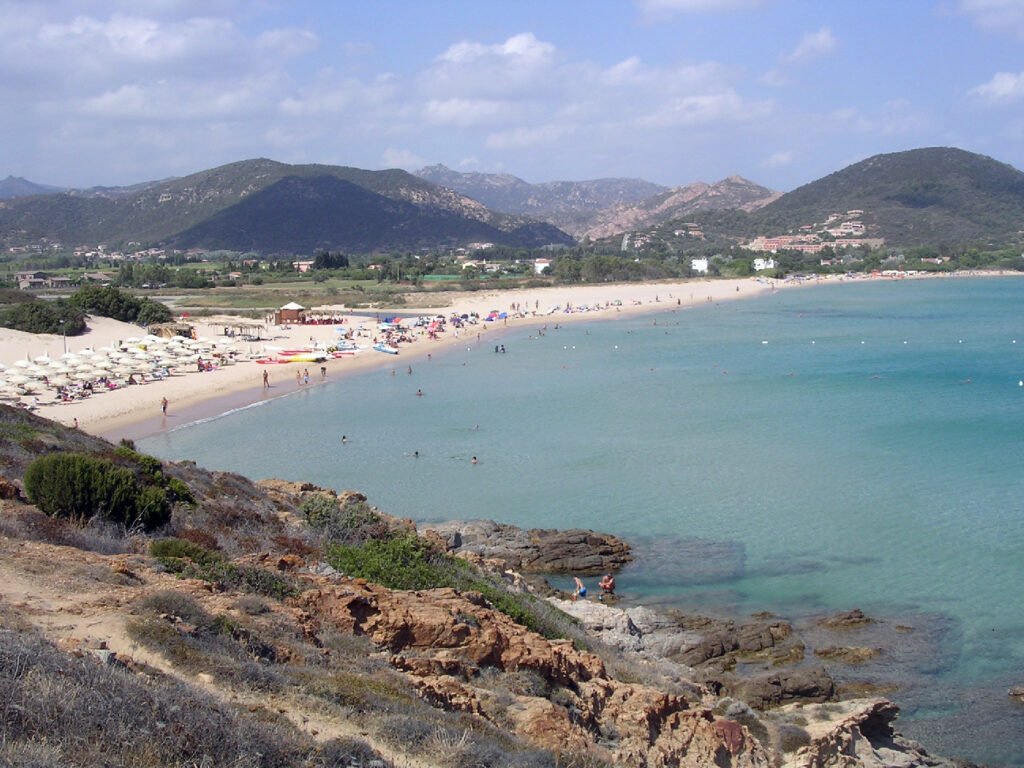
(134, 411)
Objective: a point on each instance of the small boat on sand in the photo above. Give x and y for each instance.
(387, 349)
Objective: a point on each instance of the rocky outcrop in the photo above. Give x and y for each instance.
(707, 650)
(777, 688)
(857, 733)
(533, 551)
(447, 641)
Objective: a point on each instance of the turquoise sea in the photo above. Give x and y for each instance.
(804, 452)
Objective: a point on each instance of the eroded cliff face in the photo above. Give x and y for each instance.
(448, 642)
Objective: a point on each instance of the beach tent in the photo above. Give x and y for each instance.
(289, 313)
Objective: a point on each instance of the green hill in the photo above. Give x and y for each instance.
(922, 196)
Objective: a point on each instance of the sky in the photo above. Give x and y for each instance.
(782, 92)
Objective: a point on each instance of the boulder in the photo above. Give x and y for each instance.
(771, 690)
(537, 550)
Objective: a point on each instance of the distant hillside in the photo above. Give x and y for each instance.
(568, 205)
(306, 214)
(935, 195)
(15, 186)
(228, 204)
(733, 193)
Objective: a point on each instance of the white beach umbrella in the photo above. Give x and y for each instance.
(74, 355)
(18, 378)
(84, 376)
(60, 381)
(22, 363)
(35, 372)
(43, 359)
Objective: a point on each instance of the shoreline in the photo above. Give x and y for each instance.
(135, 412)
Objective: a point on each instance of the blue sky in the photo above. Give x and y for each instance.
(96, 92)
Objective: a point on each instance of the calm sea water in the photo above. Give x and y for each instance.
(809, 451)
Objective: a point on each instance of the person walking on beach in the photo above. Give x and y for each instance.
(266, 380)
(163, 406)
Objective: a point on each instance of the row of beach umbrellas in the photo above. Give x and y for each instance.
(133, 356)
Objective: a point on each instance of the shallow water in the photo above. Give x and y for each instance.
(803, 452)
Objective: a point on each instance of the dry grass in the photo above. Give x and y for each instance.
(62, 711)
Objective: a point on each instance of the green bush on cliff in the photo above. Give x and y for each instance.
(192, 561)
(351, 522)
(408, 562)
(79, 487)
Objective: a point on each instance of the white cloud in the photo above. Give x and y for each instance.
(706, 109)
(778, 159)
(465, 113)
(402, 158)
(1004, 16)
(287, 42)
(525, 137)
(897, 117)
(524, 46)
(1003, 88)
(812, 46)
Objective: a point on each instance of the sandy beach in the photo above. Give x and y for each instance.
(135, 411)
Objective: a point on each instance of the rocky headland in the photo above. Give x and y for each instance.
(250, 612)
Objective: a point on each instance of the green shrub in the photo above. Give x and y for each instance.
(408, 562)
(404, 562)
(179, 492)
(352, 523)
(44, 317)
(79, 487)
(190, 560)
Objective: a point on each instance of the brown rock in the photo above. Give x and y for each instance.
(848, 620)
(847, 655)
(442, 639)
(9, 489)
(772, 690)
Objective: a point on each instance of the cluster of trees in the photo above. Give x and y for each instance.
(107, 301)
(67, 316)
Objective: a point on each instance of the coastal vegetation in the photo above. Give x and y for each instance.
(79, 486)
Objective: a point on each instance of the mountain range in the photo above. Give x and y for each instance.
(600, 207)
(937, 195)
(271, 207)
